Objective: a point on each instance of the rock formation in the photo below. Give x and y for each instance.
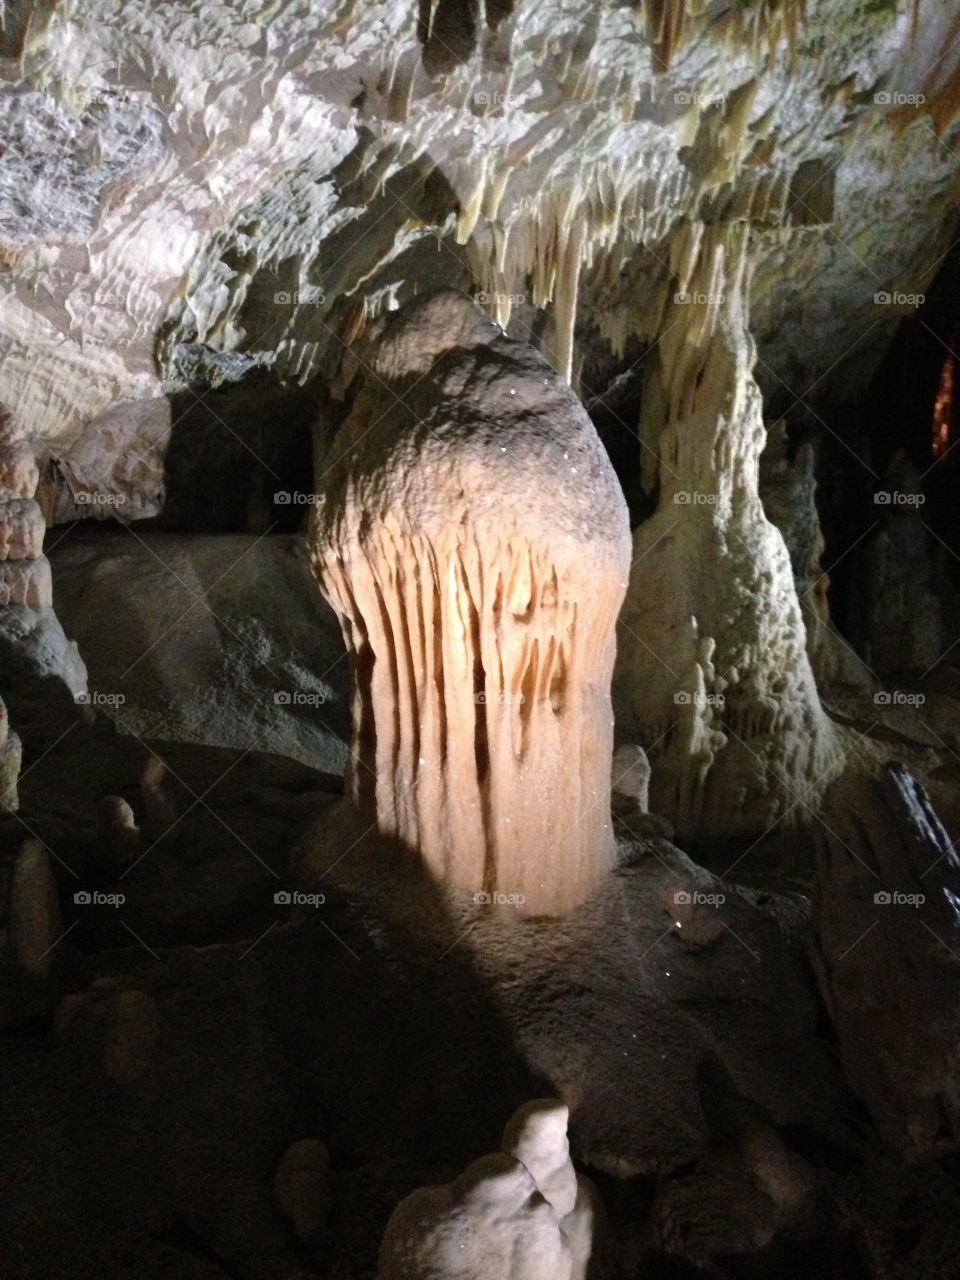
(34, 652)
(474, 541)
(11, 757)
(713, 677)
(521, 1214)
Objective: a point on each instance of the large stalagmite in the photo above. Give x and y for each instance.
(474, 541)
(713, 676)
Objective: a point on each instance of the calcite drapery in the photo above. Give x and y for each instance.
(474, 542)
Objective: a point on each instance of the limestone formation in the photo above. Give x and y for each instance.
(33, 919)
(35, 655)
(713, 677)
(536, 1135)
(474, 541)
(24, 572)
(11, 755)
(520, 1214)
(302, 1187)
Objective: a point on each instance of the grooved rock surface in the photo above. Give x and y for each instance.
(474, 541)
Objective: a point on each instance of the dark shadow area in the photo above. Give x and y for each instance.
(239, 458)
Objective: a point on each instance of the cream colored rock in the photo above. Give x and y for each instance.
(537, 1136)
(26, 582)
(34, 923)
(713, 674)
(21, 530)
(302, 1187)
(18, 471)
(521, 1214)
(474, 542)
(492, 1223)
(11, 758)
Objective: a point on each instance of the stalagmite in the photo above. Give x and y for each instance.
(474, 542)
(24, 571)
(520, 1214)
(11, 757)
(713, 667)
